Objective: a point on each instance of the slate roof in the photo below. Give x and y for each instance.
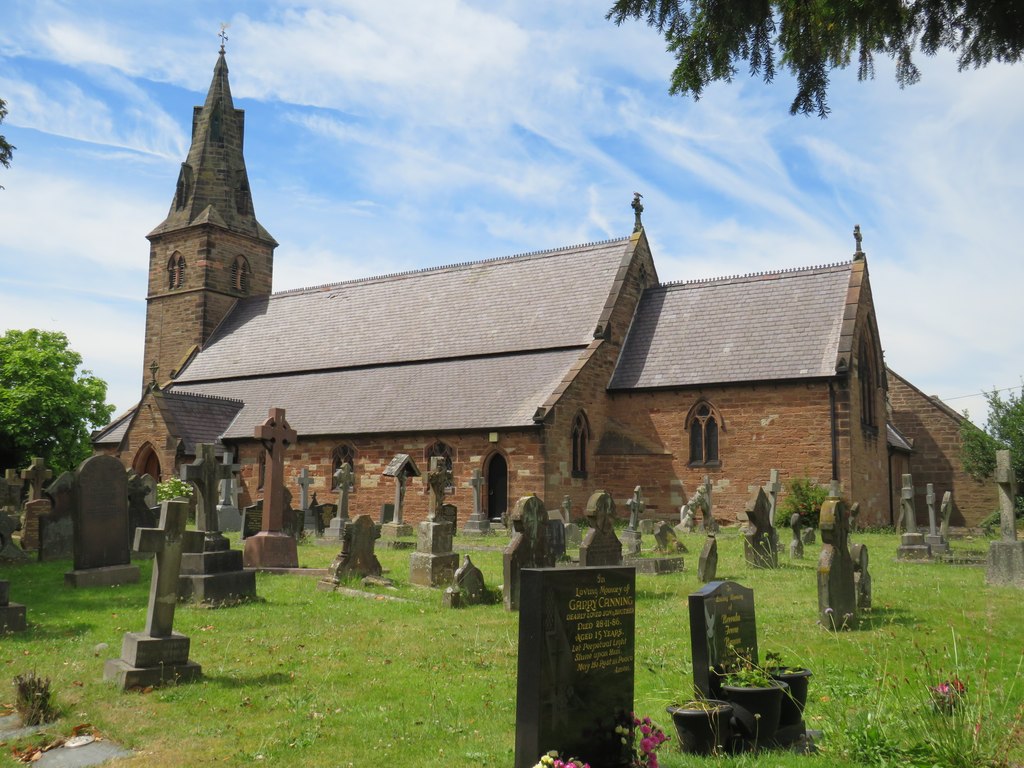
(897, 440)
(763, 327)
(545, 300)
(197, 417)
(114, 432)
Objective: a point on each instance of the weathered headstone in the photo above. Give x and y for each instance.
(666, 540)
(707, 563)
(631, 536)
(272, 547)
(723, 631)
(912, 544)
(357, 557)
(102, 553)
(699, 503)
(36, 475)
(30, 528)
(772, 490)
(837, 596)
(433, 563)
(10, 492)
(401, 467)
(309, 522)
(573, 535)
(946, 510)
(141, 501)
(1006, 557)
(159, 654)
(343, 478)
(759, 537)
(556, 534)
(469, 580)
(601, 546)
(796, 546)
(9, 551)
(228, 514)
(528, 548)
(861, 576)
(12, 615)
(686, 522)
(478, 524)
(935, 540)
(56, 529)
(575, 680)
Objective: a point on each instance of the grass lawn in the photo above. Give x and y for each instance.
(304, 677)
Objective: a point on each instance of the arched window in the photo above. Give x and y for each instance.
(580, 438)
(866, 380)
(442, 451)
(240, 273)
(147, 462)
(175, 271)
(703, 423)
(343, 454)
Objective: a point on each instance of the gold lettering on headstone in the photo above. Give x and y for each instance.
(600, 641)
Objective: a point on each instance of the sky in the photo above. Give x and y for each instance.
(384, 137)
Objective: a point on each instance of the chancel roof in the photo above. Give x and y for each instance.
(763, 327)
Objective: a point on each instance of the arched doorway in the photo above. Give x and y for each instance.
(497, 487)
(147, 462)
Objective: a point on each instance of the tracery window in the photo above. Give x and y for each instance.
(580, 438)
(703, 424)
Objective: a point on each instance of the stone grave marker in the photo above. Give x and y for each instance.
(632, 537)
(529, 547)
(140, 506)
(837, 595)
(12, 615)
(946, 510)
(343, 478)
(912, 544)
(10, 492)
(309, 523)
(448, 513)
(666, 539)
(102, 553)
(861, 576)
(252, 519)
(1006, 557)
(387, 513)
(9, 551)
(723, 630)
(478, 524)
(796, 546)
(936, 541)
(772, 490)
(576, 664)
(573, 535)
(357, 557)
(707, 563)
(158, 654)
(469, 580)
(36, 475)
(30, 530)
(401, 467)
(228, 515)
(205, 475)
(601, 546)
(686, 522)
(272, 547)
(808, 535)
(433, 563)
(556, 534)
(760, 536)
(56, 530)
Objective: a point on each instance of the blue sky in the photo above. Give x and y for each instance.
(383, 137)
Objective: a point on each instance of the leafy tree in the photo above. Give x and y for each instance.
(810, 38)
(1004, 429)
(47, 406)
(6, 150)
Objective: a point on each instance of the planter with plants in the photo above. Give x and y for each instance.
(791, 716)
(704, 726)
(756, 698)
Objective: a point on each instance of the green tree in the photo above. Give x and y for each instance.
(6, 150)
(1004, 429)
(47, 405)
(810, 38)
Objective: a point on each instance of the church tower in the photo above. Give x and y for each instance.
(210, 251)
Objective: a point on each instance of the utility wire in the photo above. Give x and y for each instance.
(994, 391)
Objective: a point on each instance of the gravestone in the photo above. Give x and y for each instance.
(102, 553)
(469, 580)
(309, 522)
(12, 615)
(529, 547)
(808, 535)
(9, 551)
(10, 492)
(760, 536)
(1006, 557)
(601, 546)
(576, 664)
(946, 510)
(772, 490)
(723, 631)
(343, 478)
(935, 541)
(686, 523)
(707, 563)
(632, 537)
(357, 557)
(556, 534)
(56, 529)
(666, 539)
(796, 546)
(36, 475)
(700, 503)
(861, 576)
(448, 513)
(401, 467)
(837, 595)
(573, 535)
(158, 654)
(228, 514)
(141, 502)
(272, 547)
(387, 513)
(912, 545)
(433, 563)
(478, 524)
(252, 519)
(30, 529)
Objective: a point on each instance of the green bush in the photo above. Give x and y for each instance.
(805, 498)
(173, 488)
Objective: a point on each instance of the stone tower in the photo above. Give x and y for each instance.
(210, 251)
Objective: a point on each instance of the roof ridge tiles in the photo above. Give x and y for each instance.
(173, 393)
(749, 275)
(441, 267)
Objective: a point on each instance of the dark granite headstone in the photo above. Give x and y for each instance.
(722, 630)
(9, 551)
(707, 563)
(528, 547)
(837, 595)
(556, 535)
(141, 512)
(252, 519)
(387, 513)
(760, 537)
(102, 554)
(575, 681)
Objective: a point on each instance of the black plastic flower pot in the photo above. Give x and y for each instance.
(793, 705)
(704, 728)
(756, 711)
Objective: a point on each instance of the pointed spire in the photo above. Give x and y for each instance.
(213, 186)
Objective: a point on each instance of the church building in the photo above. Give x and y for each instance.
(558, 372)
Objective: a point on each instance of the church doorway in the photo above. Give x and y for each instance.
(497, 487)
(147, 462)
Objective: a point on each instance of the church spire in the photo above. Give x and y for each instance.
(213, 187)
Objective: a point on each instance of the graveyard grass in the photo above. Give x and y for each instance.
(306, 677)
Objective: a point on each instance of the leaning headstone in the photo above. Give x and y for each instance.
(666, 540)
(140, 505)
(12, 615)
(573, 682)
(228, 514)
(837, 596)
(401, 467)
(528, 548)
(760, 536)
(912, 545)
(101, 544)
(601, 546)
(632, 537)
(357, 557)
(9, 551)
(796, 546)
(159, 654)
(272, 547)
(935, 541)
(478, 524)
(469, 580)
(861, 576)
(723, 630)
(30, 528)
(707, 563)
(433, 563)
(1006, 557)
(343, 478)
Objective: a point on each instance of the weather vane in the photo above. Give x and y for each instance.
(223, 34)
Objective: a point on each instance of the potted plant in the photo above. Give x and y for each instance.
(704, 726)
(756, 698)
(792, 712)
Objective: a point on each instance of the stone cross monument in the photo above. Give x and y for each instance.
(1006, 557)
(36, 475)
(934, 537)
(272, 547)
(478, 523)
(206, 474)
(912, 544)
(343, 479)
(631, 537)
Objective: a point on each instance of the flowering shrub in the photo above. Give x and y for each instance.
(646, 737)
(173, 488)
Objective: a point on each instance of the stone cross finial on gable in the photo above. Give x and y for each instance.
(858, 238)
(638, 209)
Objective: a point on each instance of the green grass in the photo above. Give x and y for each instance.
(313, 678)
